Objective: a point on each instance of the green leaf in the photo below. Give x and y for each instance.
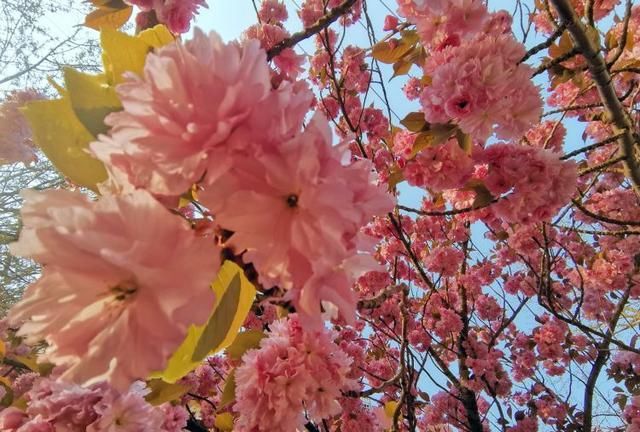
(234, 297)
(65, 140)
(245, 341)
(92, 99)
(162, 391)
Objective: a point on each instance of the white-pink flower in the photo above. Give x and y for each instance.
(122, 280)
(178, 115)
(296, 208)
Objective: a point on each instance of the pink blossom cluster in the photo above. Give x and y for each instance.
(477, 80)
(59, 406)
(438, 167)
(175, 14)
(294, 202)
(16, 143)
(292, 371)
(532, 183)
(481, 86)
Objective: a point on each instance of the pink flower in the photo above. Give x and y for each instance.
(16, 144)
(63, 405)
(175, 14)
(440, 167)
(273, 11)
(292, 371)
(126, 413)
(480, 86)
(390, 23)
(295, 208)
(123, 279)
(536, 181)
(11, 419)
(177, 116)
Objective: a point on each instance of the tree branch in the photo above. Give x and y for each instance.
(316, 28)
(602, 78)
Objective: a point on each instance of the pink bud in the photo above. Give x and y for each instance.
(11, 418)
(390, 23)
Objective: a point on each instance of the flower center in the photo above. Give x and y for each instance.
(292, 201)
(124, 290)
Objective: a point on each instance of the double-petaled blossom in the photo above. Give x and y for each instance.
(482, 87)
(122, 280)
(291, 372)
(296, 208)
(178, 115)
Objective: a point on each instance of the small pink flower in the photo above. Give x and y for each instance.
(390, 23)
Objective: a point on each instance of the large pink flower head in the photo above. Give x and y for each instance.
(482, 88)
(178, 114)
(296, 204)
(122, 280)
(293, 370)
(16, 144)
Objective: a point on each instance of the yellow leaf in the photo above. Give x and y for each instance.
(64, 139)
(7, 399)
(401, 67)
(224, 422)
(124, 53)
(564, 45)
(106, 17)
(157, 36)
(234, 297)
(20, 403)
(483, 195)
(91, 99)
(3, 348)
(390, 408)
(162, 391)
(390, 51)
(395, 177)
(464, 141)
(244, 342)
(410, 37)
(414, 122)
(229, 391)
(435, 135)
